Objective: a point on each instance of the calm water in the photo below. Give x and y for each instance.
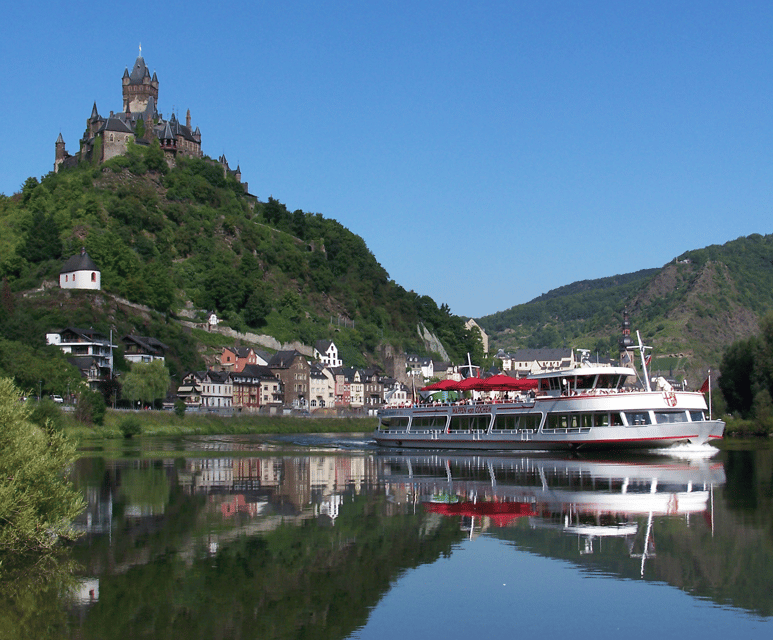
(327, 537)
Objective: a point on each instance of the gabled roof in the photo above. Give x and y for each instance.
(283, 359)
(218, 377)
(79, 262)
(147, 343)
(323, 345)
(89, 335)
(255, 371)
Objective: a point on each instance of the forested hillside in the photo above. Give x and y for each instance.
(690, 310)
(191, 238)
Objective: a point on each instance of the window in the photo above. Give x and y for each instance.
(637, 418)
(667, 417)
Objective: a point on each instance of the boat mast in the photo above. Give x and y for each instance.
(641, 349)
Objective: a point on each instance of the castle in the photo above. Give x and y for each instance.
(139, 121)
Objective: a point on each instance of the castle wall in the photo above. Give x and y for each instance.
(116, 146)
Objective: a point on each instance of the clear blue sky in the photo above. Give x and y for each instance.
(487, 152)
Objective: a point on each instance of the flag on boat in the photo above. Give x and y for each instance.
(705, 386)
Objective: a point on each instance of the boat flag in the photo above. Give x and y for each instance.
(705, 386)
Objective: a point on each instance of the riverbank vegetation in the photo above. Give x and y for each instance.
(167, 423)
(747, 382)
(37, 503)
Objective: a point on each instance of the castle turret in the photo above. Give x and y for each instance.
(59, 152)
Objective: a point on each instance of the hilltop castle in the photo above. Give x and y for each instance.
(139, 121)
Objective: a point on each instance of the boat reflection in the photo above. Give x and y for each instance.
(588, 498)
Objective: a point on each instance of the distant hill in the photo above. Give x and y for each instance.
(190, 238)
(689, 310)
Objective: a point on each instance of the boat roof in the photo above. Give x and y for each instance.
(584, 371)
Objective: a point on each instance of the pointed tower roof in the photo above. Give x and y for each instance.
(139, 71)
(167, 133)
(94, 112)
(60, 139)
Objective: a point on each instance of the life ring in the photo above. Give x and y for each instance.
(670, 398)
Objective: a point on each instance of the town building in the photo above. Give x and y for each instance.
(143, 349)
(292, 368)
(256, 387)
(94, 347)
(327, 353)
(526, 361)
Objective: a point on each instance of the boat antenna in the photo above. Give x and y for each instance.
(642, 349)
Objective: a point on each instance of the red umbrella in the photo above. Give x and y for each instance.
(502, 382)
(441, 385)
(469, 383)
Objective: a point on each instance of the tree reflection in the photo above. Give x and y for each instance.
(35, 592)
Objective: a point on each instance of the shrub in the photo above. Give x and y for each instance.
(130, 427)
(37, 504)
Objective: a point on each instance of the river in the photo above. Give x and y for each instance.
(329, 537)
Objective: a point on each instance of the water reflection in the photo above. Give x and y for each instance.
(589, 499)
(239, 538)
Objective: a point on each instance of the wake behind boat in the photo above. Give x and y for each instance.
(586, 407)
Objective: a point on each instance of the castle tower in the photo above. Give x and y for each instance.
(138, 87)
(59, 152)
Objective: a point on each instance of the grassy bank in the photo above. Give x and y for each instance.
(165, 423)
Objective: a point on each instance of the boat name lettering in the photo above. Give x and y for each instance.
(482, 409)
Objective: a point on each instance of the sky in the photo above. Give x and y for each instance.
(487, 152)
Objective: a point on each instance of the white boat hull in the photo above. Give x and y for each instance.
(626, 436)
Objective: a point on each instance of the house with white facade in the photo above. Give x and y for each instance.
(526, 361)
(420, 365)
(217, 390)
(321, 387)
(327, 353)
(80, 272)
(86, 343)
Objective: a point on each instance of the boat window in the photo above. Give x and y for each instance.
(394, 422)
(530, 421)
(697, 416)
(616, 419)
(585, 382)
(508, 423)
(604, 381)
(469, 423)
(637, 418)
(517, 423)
(564, 421)
(601, 419)
(429, 422)
(666, 417)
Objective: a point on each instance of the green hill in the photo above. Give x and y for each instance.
(190, 240)
(689, 310)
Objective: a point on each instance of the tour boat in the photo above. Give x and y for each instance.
(585, 407)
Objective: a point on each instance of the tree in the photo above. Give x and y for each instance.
(146, 382)
(37, 504)
(90, 407)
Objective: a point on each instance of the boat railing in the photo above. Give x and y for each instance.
(567, 430)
